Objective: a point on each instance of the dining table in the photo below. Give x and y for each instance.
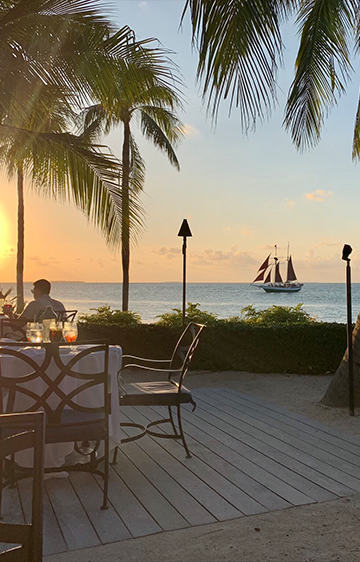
(13, 367)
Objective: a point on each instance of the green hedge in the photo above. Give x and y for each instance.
(304, 349)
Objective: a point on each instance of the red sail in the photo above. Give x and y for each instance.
(277, 273)
(267, 280)
(291, 276)
(265, 265)
(260, 277)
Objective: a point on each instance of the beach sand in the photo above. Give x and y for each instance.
(325, 532)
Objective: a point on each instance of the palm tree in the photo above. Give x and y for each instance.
(152, 100)
(66, 166)
(66, 54)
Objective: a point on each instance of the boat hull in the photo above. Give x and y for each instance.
(282, 288)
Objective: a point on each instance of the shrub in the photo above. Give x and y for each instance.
(192, 314)
(104, 316)
(314, 348)
(274, 315)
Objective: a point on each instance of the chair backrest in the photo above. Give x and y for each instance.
(66, 315)
(14, 328)
(184, 350)
(19, 432)
(54, 378)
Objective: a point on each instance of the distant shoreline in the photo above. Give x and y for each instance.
(177, 282)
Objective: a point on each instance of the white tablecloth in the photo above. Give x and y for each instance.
(55, 453)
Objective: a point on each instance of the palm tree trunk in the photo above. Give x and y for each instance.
(20, 242)
(125, 218)
(337, 393)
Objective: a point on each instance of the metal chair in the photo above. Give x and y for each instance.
(170, 392)
(66, 315)
(19, 432)
(70, 417)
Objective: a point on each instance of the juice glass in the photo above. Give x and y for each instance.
(70, 331)
(56, 331)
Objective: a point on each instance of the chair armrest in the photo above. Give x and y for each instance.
(150, 369)
(144, 360)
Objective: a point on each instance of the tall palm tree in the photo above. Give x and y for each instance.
(151, 100)
(66, 166)
(68, 50)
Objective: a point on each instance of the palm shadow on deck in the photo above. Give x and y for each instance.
(249, 457)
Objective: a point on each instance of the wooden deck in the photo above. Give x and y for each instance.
(248, 457)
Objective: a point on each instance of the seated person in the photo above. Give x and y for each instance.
(35, 308)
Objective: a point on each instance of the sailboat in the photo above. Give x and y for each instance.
(269, 274)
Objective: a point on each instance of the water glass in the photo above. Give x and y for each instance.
(34, 332)
(56, 329)
(70, 331)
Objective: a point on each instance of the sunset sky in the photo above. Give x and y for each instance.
(241, 194)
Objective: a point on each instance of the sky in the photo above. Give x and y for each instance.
(241, 193)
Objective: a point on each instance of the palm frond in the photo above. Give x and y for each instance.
(356, 137)
(151, 130)
(136, 184)
(323, 66)
(167, 120)
(239, 46)
(86, 176)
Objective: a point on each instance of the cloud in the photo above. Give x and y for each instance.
(39, 261)
(245, 230)
(232, 256)
(314, 261)
(143, 5)
(100, 262)
(290, 203)
(318, 195)
(166, 251)
(189, 130)
(329, 243)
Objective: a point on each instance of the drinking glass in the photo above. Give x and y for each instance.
(70, 331)
(56, 329)
(34, 332)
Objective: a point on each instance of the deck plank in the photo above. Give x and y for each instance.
(256, 498)
(323, 462)
(73, 521)
(287, 492)
(53, 540)
(319, 439)
(11, 511)
(198, 479)
(172, 479)
(134, 515)
(294, 416)
(165, 515)
(106, 523)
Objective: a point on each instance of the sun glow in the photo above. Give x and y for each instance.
(3, 232)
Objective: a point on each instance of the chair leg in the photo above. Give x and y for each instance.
(188, 455)
(114, 461)
(172, 421)
(106, 475)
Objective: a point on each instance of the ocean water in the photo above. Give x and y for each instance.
(326, 301)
